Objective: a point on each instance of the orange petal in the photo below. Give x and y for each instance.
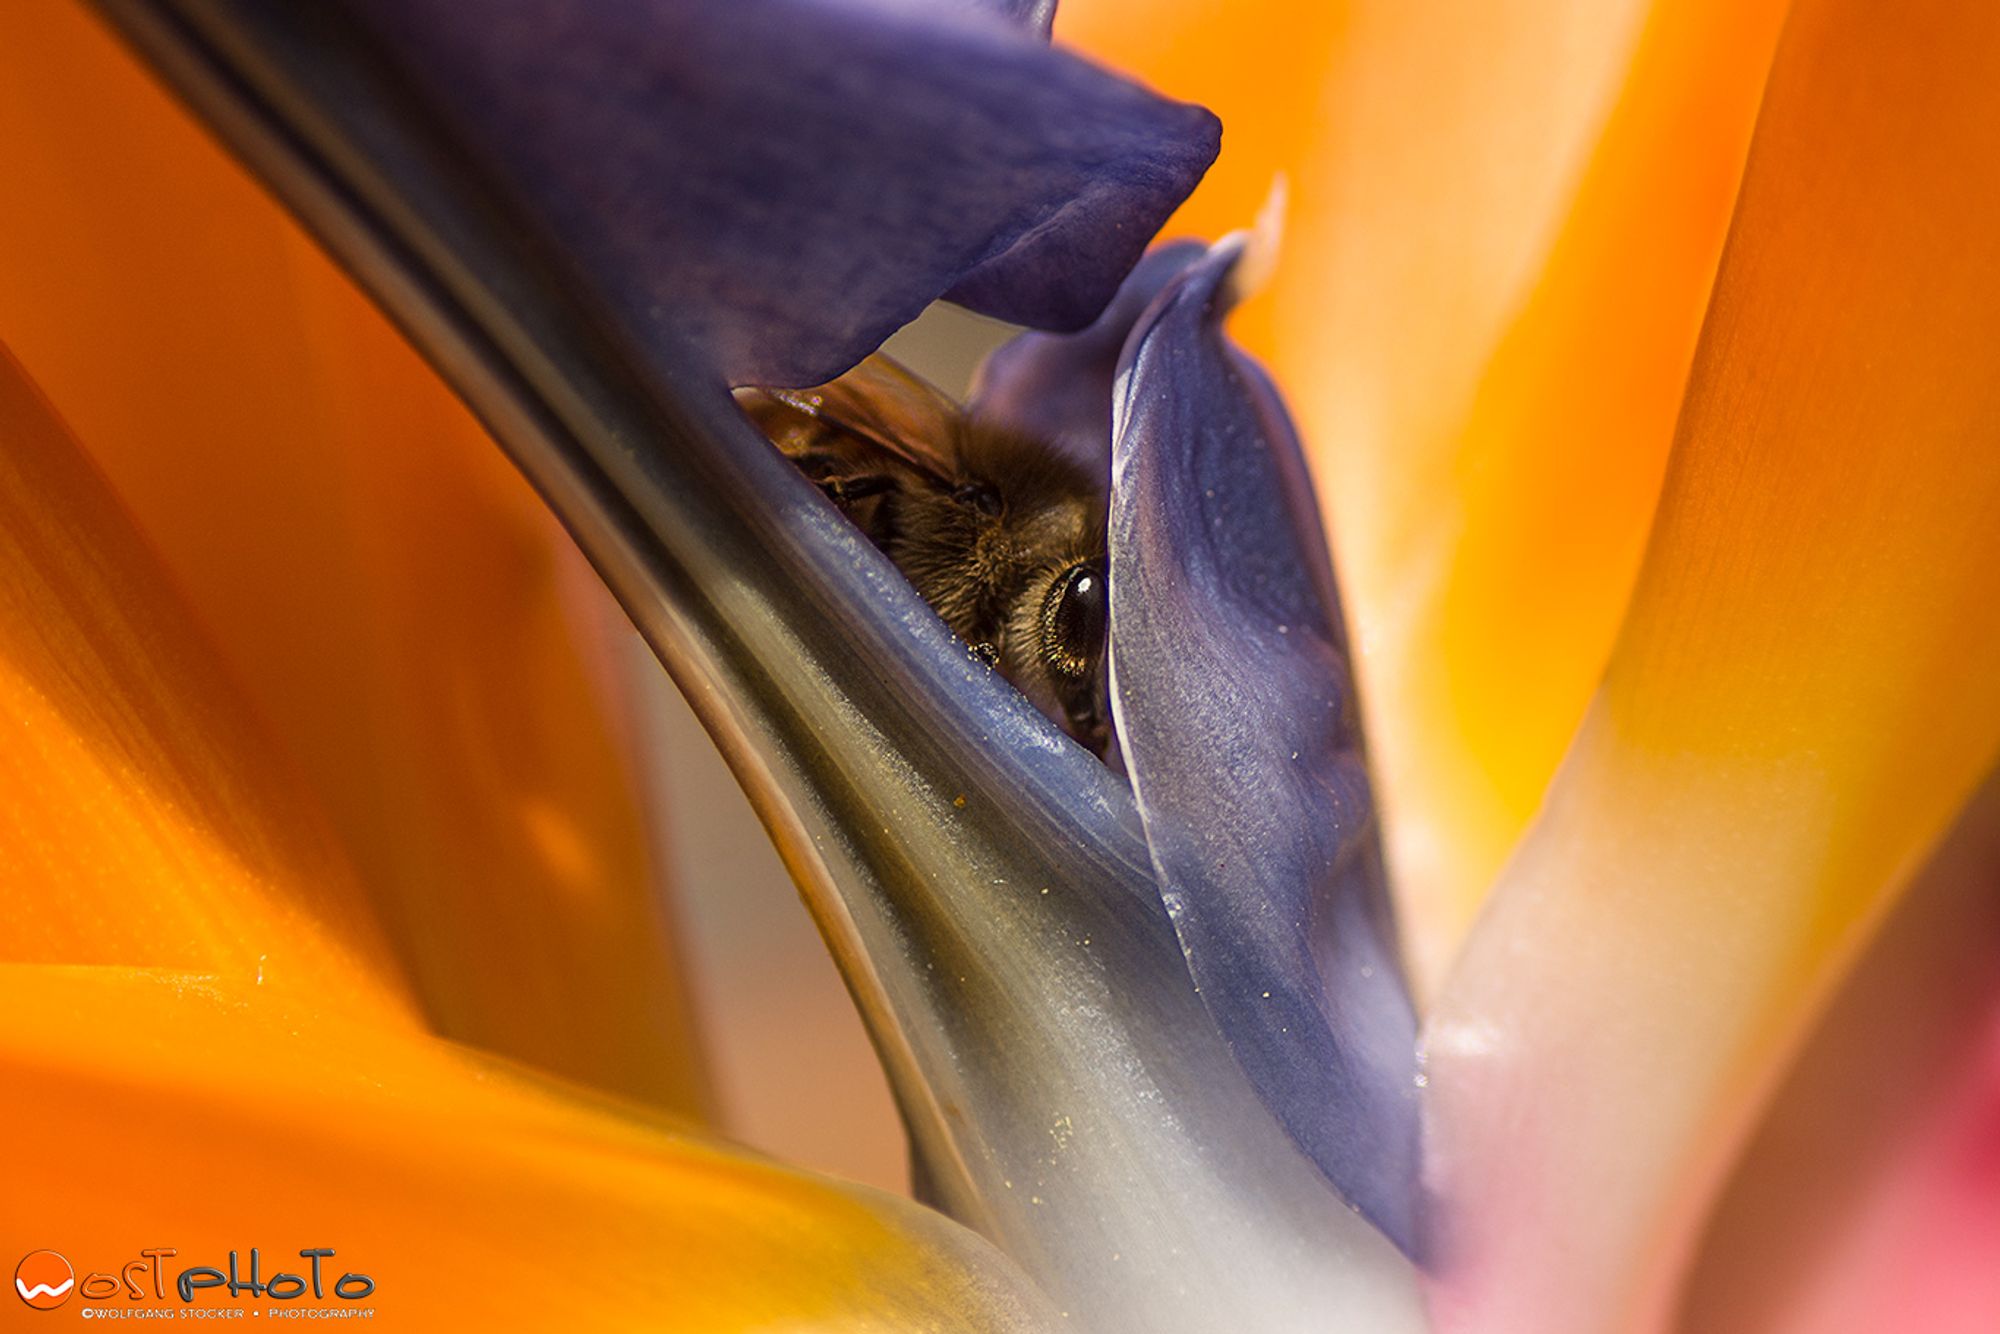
(1870, 1197)
(1504, 224)
(1800, 701)
(389, 592)
(144, 819)
(473, 1195)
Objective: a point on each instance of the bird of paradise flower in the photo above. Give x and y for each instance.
(1789, 718)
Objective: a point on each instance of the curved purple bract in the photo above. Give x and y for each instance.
(783, 183)
(1036, 16)
(1236, 708)
(1057, 387)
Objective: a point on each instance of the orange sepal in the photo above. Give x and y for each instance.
(1504, 222)
(388, 592)
(167, 1110)
(145, 818)
(1798, 704)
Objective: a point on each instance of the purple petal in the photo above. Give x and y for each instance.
(1237, 711)
(783, 183)
(1057, 387)
(1036, 16)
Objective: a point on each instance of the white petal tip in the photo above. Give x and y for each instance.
(1261, 244)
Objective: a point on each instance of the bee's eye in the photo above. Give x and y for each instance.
(1073, 621)
(980, 496)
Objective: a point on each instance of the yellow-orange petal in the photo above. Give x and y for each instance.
(390, 594)
(475, 1196)
(1799, 703)
(1504, 224)
(144, 818)
(1869, 1198)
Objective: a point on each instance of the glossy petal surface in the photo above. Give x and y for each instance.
(986, 888)
(1237, 713)
(374, 576)
(1057, 387)
(741, 177)
(1798, 705)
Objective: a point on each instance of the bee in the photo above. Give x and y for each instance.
(1001, 533)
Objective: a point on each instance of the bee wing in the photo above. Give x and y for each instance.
(881, 401)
